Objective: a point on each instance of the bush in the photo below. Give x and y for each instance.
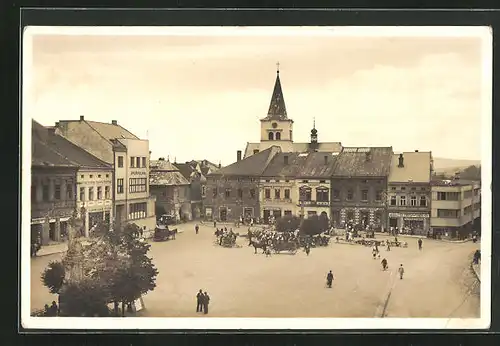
(53, 276)
(324, 223)
(288, 224)
(83, 298)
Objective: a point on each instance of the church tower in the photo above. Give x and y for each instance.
(313, 145)
(276, 128)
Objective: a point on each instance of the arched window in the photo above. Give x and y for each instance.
(271, 136)
(278, 136)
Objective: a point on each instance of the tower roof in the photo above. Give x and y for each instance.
(277, 109)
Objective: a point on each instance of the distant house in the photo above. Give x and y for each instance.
(197, 185)
(171, 188)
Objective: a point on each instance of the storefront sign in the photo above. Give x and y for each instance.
(409, 215)
(138, 173)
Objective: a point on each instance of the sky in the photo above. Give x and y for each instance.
(201, 96)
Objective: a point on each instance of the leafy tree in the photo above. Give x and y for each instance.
(53, 276)
(288, 223)
(311, 225)
(324, 223)
(83, 298)
(471, 173)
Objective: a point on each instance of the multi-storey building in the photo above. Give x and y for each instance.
(233, 191)
(455, 206)
(93, 179)
(128, 155)
(171, 188)
(409, 191)
(53, 183)
(358, 185)
(276, 129)
(278, 191)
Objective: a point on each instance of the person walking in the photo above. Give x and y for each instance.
(384, 264)
(420, 243)
(329, 279)
(196, 228)
(401, 271)
(215, 224)
(206, 301)
(199, 301)
(307, 249)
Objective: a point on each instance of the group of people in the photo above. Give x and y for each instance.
(223, 233)
(52, 310)
(202, 301)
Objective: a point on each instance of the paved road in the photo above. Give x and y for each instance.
(242, 284)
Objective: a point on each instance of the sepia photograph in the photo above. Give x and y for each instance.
(256, 177)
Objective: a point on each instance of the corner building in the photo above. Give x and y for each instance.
(129, 157)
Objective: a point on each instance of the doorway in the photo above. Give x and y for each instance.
(223, 214)
(267, 214)
(393, 222)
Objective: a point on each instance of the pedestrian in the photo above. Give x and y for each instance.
(384, 264)
(401, 271)
(196, 228)
(308, 249)
(46, 310)
(215, 224)
(199, 301)
(206, 301)
(388, 246)
(329, 279)
(53, 309)
(420, 243)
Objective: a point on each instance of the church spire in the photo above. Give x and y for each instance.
(277, 109)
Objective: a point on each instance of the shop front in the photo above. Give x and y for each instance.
(414, 223)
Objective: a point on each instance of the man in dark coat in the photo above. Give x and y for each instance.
(199, 301)
(420, 244)
(206, 301)
(329, 279)
(196, 228)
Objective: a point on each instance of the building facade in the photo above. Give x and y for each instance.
(276, 129)
(233, 191)
(455, 207)
(171, 189)
(409, 192)
(359, 185)
(66, 181)
(128, 155)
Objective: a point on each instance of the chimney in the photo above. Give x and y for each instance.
(238, 155)
(326, 159)
(285, 159)
(220, 166)
(416, 151)
(161, 159)
(401, 161)
(114, 122)
(82, 118)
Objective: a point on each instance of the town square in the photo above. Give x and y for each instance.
(199, 189)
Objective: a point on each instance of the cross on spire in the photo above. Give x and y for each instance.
(278, 67)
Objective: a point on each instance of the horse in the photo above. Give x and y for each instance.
(258, 245)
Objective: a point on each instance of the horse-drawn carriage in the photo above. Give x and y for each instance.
(162, 233)
(226, 239)
(289, 246)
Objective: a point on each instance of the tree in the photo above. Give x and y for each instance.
(53, 276)
(471, 173)
(311, 225)
(83, 298)
(288, 223)
(324, 223)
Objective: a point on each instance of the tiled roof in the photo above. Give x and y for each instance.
(56, 150)
(416, 168)
(111, 131)
(186, 169)
(363, 162)
(318, 165)
(162, 172)
(277, 109)
(327, 147)
(250, 166)
(278, 168)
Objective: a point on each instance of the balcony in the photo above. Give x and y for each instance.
(275, 201)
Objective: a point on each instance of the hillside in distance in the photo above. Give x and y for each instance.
(450, 165)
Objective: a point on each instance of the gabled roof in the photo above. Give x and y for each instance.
(250, 166)
(186, 169)
(363, 162)
(277, 109)
(111, 131)
(318, 165)
(52, 149)
(162, 172)
(416, 168)
(278, 168)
